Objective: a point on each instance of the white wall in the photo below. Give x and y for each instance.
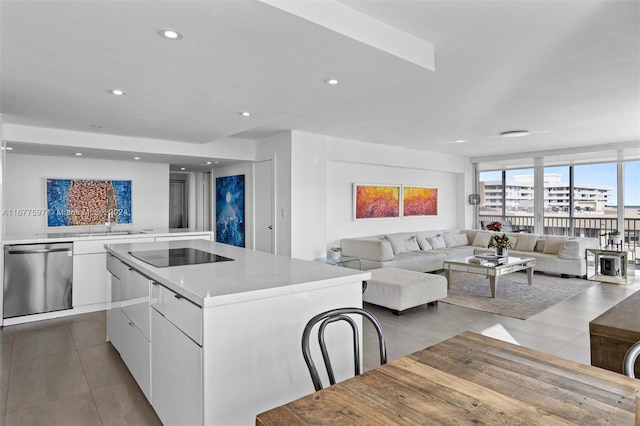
(308, 195)
(245, 169)
(342, 176)
(278, 147)
(314, 181)
(25, 188)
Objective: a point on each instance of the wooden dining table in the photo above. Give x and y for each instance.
(470, 379)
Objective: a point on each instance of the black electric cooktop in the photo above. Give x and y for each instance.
(177, 257)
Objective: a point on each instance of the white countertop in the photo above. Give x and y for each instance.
(54, 237)
(251, 275)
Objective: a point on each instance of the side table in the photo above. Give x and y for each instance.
(610, 266)
(344, 261)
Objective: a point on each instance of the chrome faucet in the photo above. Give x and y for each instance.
(108, 223)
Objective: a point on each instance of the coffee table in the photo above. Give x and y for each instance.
(490, 270)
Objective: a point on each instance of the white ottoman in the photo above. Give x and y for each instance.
(400, 289)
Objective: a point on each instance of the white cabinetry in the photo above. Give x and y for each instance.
(90, 281)
(128, 320)
(176, 366)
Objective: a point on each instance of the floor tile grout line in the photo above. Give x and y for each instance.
(84, 373)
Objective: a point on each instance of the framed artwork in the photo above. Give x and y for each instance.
(82, 202)
(230, 210)
(419, 201)
(375, 201)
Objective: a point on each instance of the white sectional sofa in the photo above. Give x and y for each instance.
(425, 251)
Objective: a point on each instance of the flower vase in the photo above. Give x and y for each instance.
(335, 255)
(502, 252)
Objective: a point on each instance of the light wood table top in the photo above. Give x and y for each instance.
(469, 379)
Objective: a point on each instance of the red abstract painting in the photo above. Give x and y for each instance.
(419, 201)
(374, 202)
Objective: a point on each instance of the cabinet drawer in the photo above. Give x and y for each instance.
(134, 300)
(135, 352)
(181, 312)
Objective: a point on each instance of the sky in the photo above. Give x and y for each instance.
(596, 174)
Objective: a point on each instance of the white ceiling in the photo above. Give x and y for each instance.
(566, 70)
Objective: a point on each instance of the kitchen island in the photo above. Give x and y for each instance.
(219, 341)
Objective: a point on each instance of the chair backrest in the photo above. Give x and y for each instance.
(330, 316)
(506, 226)
(630, 357)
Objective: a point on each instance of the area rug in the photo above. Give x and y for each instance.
(514, 297)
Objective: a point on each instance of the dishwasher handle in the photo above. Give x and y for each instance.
(38, 251)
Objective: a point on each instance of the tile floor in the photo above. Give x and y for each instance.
(62, 372)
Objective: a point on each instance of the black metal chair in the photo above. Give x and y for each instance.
(333, 315)
(630, 357)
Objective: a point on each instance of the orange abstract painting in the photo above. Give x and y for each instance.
(419, 201)
(374, 202)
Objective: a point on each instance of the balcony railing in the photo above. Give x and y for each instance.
(594, 227)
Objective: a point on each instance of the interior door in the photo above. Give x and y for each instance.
(263, 190)
(178, 216)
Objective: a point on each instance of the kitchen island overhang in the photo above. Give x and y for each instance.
(253, 311)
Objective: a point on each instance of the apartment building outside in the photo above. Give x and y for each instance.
(519, 195)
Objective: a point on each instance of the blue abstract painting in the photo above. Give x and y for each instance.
(78, 202)
(230, 210)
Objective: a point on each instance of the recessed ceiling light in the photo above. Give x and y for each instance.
(208, 162)
(245, 113)
(117, 92)
(514, 133)
(136, 158)
(332, 81)
(182, 168)
(216, 162)
(460, 141)
(170, 34)
(7, 148)
(78, 154)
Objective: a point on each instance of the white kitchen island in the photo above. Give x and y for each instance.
(218, 343)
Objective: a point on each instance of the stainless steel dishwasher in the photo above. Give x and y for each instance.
(37, 278)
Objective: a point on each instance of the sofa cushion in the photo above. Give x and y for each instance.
(482, 239)
(540, 245)
(437, 242)
(411, 244)
(397, 243)
(422, 242)
(552, 245)
(455, 240)
(570, 250)
(526, 242)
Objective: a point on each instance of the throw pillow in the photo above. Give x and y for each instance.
(423, 243)
(411, 244)
(397, 243)
(570, 250)
(482, 239)
(552, 246)
(514, 241)
(437, 242)
(526, 242)
(448, 239)
(540, 245)
(460, 240)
